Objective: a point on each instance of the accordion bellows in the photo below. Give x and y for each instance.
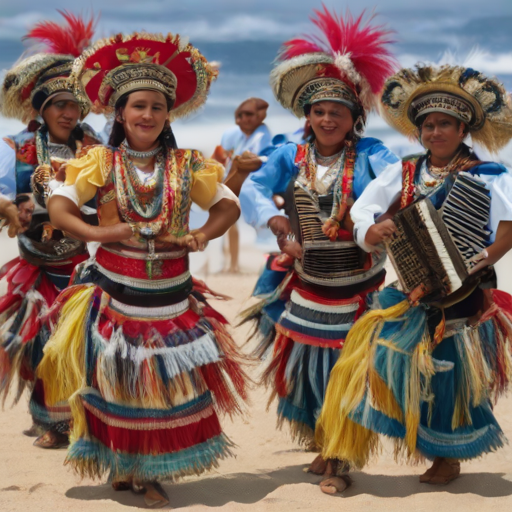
(431, 250)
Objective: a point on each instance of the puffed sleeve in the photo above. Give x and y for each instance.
(85, 175)
(7, 170)
(272, 178)
(500, 187)
(207, 176)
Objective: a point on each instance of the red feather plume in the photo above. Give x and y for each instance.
(364, 44)
(66, 40)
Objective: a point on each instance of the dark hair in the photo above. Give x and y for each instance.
(117, 135)
(20, 199)
(77, 133)
(310, 137)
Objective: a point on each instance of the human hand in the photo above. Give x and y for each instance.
(198, 241)
(377, 233)
(289, 246)
(59, 168)
(10, 213)
(279, 225)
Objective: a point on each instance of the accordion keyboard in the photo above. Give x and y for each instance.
(466, 213)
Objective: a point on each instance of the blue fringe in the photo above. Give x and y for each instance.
(92, 458)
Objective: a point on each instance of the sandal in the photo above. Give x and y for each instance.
(52, 440)
(337, 479)
(33, 431)
(155, 496)
(448, 470)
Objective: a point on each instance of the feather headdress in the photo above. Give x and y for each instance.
(348, 62)
(482, 103)
(33, 79)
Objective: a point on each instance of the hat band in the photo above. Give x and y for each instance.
(441, 102)
(325, 89)
(138, 85)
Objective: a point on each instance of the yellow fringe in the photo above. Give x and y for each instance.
(383, 399)
(79, 427)
(339, 437)
(62, 369)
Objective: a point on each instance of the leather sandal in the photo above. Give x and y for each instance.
(448, 470)
(52, 440)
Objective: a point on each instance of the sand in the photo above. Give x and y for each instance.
(267, 473)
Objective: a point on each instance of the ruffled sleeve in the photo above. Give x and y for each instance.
(89, 173)
(206, 175)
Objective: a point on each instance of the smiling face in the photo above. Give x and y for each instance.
(331, 122)
(61, 117)
(442, 134)
(143, 118)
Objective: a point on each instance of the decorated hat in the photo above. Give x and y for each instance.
(121, 64)
(347, 62)
(464, 93)
(34, 80)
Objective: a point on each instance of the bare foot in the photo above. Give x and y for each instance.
(335, 484)
(318, 466)
(425, 477)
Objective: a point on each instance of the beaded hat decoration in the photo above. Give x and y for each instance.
(121, 64)
(482, 103)
(347, 63)
(34, 79)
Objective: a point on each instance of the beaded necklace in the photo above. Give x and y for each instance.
(147, 205)
(343, 185)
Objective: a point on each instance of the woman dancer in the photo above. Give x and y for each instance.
(38, 86)
(152, 362)
(323, 281)
(424, 370)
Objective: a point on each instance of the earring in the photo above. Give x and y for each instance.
(359, 127)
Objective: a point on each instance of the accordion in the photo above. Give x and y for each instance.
(431, 249)
(323, 262)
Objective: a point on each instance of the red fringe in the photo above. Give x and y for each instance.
(153, 442)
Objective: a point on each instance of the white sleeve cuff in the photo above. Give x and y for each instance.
(223, 192)
(68, 191)
(360, 230)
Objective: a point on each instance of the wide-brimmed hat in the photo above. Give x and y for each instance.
(482, 103)
(121, 64)
(347, 62)
(32, 81)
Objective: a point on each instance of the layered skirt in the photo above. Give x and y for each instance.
(31, 290)
(301, 333)
(429, 385)
(146, 380)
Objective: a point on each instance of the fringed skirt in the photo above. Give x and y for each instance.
(429, 387)
(302, 333)
(147, 384)
(31, 290)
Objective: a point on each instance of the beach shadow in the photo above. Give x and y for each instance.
(250, 488)
(487, 485)
(212, 491)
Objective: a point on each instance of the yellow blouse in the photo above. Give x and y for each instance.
(92, 171)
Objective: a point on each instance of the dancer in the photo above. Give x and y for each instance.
(323, 282)
(425, 369)
(38, 86)
(152, 364)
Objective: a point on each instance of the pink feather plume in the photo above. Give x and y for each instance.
(365, 44)
(67, 40)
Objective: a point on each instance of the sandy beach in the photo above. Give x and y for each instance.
(267, 473)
